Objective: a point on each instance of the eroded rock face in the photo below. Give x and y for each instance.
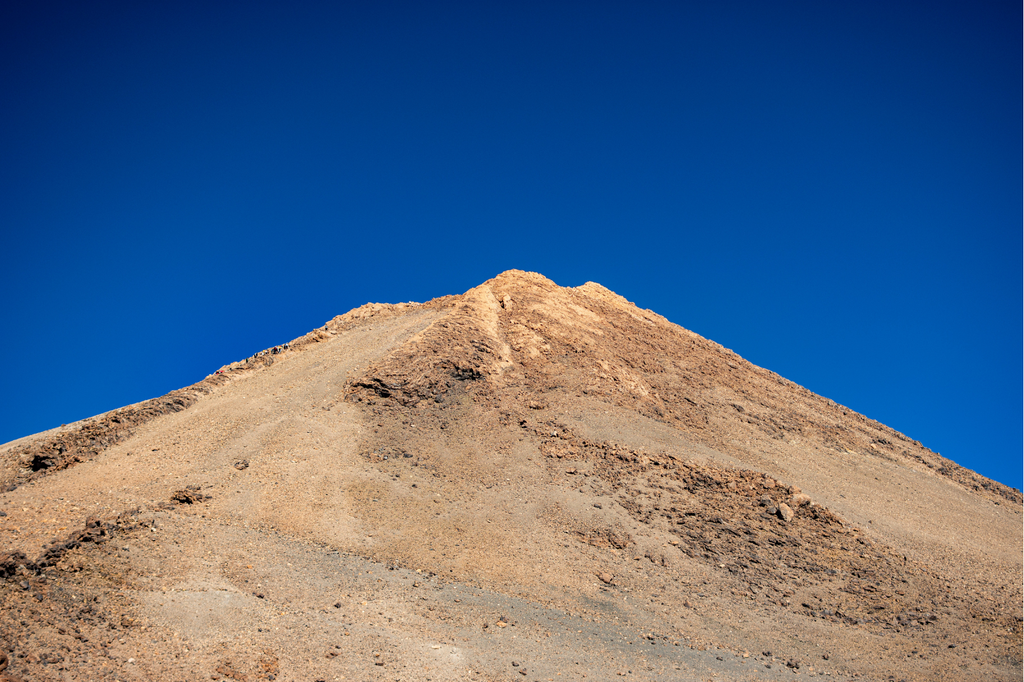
(588, 341)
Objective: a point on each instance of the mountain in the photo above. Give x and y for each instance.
(524, 481)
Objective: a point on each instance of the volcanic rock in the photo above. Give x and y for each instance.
(497, 450)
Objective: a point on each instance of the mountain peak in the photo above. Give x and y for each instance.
(549, 461)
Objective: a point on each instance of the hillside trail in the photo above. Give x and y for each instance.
(522, 482)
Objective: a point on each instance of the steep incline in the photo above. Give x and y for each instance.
(689, 439)
(521, 332)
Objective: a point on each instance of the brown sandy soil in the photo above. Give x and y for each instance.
(524, 482)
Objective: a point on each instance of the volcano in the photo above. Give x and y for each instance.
(521, 482)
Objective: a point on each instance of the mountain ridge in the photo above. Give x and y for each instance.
(559, 445)
(94, 436)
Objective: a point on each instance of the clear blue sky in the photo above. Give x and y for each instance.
(831, 189)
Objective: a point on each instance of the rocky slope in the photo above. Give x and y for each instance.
(521, 482)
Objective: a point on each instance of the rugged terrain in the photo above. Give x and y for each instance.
(522, 482)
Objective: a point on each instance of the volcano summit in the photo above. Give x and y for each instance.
(522, 482)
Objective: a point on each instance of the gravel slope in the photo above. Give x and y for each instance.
(523, 473)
